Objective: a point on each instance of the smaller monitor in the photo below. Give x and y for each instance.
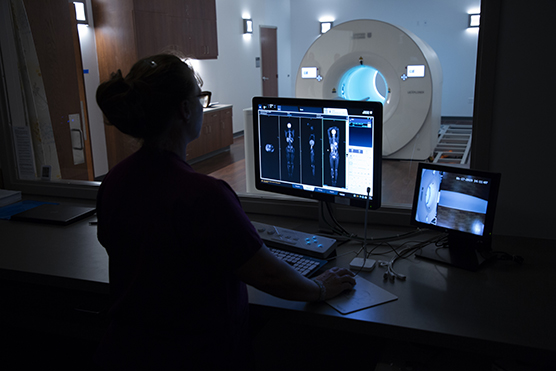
(460, 202)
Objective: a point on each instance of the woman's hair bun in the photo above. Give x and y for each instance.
(143, 102)
(121, 104)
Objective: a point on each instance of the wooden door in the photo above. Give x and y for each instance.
(54, 33)
(269, 56)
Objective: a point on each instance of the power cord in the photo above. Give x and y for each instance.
(338, 230)
(390, 273)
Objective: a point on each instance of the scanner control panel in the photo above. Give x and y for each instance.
(296, 241)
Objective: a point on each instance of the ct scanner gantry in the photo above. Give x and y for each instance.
(377, 61)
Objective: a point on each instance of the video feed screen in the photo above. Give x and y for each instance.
(319, 147)
(455, 199)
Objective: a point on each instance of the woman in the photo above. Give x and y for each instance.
(181, 249)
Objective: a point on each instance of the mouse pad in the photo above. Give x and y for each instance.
(363, 296)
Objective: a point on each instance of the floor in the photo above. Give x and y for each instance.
(397, 183)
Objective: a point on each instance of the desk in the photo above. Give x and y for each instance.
(504, 308)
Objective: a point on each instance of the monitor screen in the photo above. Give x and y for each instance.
(328, 150)
(456, 200)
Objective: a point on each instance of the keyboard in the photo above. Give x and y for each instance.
(305, 265)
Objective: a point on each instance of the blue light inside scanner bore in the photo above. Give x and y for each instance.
(363, 83)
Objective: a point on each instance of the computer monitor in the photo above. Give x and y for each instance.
(460, 202)
(327, 150)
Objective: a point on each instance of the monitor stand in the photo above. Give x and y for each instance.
(465, 253)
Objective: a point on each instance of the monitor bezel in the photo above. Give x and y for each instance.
(377, 109)
(491, 206)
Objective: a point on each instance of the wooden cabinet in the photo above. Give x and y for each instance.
(226, 127)
(185, 26)
(216, 133)
(202, 41)
(157, 32)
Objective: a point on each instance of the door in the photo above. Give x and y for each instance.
(56, 100)
(269, 56)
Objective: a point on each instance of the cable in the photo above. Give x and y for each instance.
(487, 254)
(354, 237)
(339, 232)
(391, 274)
(502, 255)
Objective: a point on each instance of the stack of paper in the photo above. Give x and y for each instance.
(9, 197)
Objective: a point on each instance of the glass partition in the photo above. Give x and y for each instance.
(48, 124)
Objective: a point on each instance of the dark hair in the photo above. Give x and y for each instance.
(142, 103)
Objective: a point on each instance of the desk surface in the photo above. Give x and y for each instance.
(504, 305)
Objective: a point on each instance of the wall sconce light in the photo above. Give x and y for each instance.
(247, 26)
(474, 20)
(81, 12)
(326, 26)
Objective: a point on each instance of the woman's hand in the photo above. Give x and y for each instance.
(336, 280)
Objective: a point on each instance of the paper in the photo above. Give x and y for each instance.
(364, 295)
(9, 197)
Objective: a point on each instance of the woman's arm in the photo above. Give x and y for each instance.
(269, 274)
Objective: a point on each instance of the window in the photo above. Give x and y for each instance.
(32, 153)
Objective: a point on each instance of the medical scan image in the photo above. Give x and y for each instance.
(304, 149)
(335, 155)
(290, 149)
(311, 151)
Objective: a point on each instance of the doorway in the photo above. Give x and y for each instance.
(269, 64)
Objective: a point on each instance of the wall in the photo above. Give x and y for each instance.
(523, 129)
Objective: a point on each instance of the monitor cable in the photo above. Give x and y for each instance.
(486, 254)
(337, 227)
(346, 236)
(390, 273)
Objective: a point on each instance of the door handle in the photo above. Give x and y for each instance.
(77, 140)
